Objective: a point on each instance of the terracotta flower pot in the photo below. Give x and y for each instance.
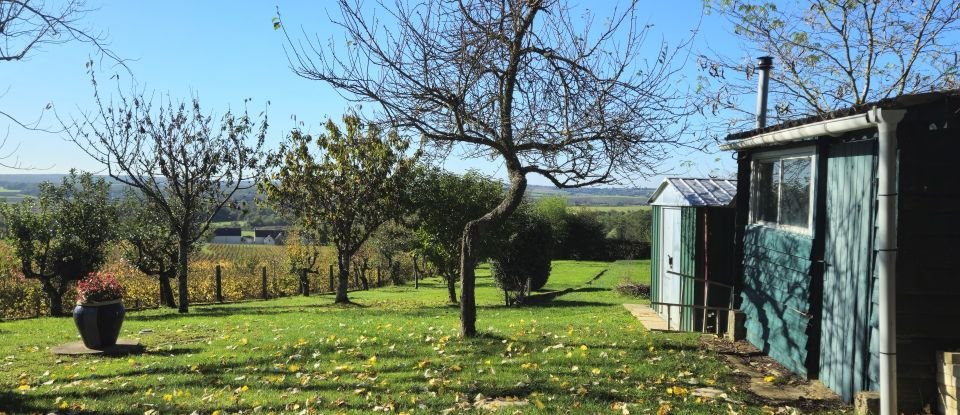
(99, 323)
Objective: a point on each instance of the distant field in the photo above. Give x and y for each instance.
(602, 208)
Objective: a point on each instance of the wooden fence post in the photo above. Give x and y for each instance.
(331, 278)
(263, 283)
(219, 285)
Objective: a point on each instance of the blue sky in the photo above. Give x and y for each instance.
(226, 51)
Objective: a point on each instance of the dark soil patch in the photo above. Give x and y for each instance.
(771, 384)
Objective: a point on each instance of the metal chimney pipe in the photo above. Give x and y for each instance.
(764, 64)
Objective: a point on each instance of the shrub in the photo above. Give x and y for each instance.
(634, 289)
(522, 261)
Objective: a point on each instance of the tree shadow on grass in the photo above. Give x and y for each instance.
(224, 311)
(548, 304)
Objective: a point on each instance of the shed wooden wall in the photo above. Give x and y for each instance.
(655, 253)
(776, 294)
(690, 265)
(928, 266)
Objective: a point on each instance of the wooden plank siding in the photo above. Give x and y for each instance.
(689, 264)
(928, 266)
(848, 328)
(655, 255)
(775, 295)
(719, 256)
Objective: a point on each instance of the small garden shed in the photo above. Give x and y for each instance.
(692, 248)
(847, 225)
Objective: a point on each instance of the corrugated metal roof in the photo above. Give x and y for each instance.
(699, 192)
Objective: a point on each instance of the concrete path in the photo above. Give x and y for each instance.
(649, 318)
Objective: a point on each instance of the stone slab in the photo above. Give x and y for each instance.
(649, 318)
(123, 347)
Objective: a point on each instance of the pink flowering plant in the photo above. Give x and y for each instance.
(98, 287)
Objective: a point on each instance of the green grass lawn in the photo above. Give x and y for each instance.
(397, 351)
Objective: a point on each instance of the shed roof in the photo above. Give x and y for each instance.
(680, 191)
(900, 102)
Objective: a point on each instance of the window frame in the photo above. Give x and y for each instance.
(780, 156)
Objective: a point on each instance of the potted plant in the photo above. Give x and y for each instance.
(99, 312)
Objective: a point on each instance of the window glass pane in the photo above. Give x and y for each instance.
(768, 173)
(795, 192)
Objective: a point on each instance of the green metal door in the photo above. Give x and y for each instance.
(848, 276)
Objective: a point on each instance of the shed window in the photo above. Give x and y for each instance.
(782, 187)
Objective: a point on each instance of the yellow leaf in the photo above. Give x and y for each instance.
(293, 368)
(539, 404)
(168, 397)
(583, 347)
(595, 371)
(23, 387)
(769, 379)
(664, 409)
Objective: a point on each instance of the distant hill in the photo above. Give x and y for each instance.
(594, 196)
(14, 187)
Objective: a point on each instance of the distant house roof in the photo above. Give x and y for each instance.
(263, 233)
(227, 232)
(677, 191)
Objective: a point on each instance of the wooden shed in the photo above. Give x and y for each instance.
(847, 226)
(692, 261)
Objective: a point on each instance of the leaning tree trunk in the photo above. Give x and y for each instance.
(472, 234)
(182, 267)
(343, 278)
(55, 297)
(166, 291)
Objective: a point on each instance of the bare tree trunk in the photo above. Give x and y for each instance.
(166, 291)
(362, 274)
(55, 297)
(451, 288)
(343, 262)
(471, 236)
(182, 268)
(304, 283)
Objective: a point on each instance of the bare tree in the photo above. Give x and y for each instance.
(532, 83)
(176, 156)
(833, 54)
(27, 26)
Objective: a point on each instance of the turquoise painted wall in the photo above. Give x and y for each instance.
(776, 293)
(849, 316)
